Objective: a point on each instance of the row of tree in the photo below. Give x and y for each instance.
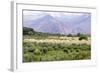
(30, 31)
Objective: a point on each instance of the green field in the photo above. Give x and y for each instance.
(39, 47)
(53, 52)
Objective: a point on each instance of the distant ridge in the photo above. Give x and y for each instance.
(55, 25)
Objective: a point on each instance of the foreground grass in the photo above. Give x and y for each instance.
(45, 51)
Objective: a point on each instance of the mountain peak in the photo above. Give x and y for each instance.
(49, 24)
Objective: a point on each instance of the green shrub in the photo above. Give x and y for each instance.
(65, 50)
(54, 52)
(28, 57)
(44, 50)
(83, 37)
(36, 58)
(37, 52)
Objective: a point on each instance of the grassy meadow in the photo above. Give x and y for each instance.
(40, 47)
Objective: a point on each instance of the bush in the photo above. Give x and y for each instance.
(30, 33)
(37, 52)
(28, 57)
(65, 50)
(83, 37)
(44, 50)
(36, 58)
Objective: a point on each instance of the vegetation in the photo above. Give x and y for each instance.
(69, 35)
(53, 52)
(83, 37)
(47, 47)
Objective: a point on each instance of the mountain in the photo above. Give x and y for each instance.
(77, 24)
(48, 24)
(60, 25)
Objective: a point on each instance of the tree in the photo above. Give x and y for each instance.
(28, 31)
(69, 35)
(83, 37)
(78, 34)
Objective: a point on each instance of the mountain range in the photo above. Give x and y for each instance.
(60, 25)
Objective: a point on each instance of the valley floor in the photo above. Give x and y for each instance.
(55, 49)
